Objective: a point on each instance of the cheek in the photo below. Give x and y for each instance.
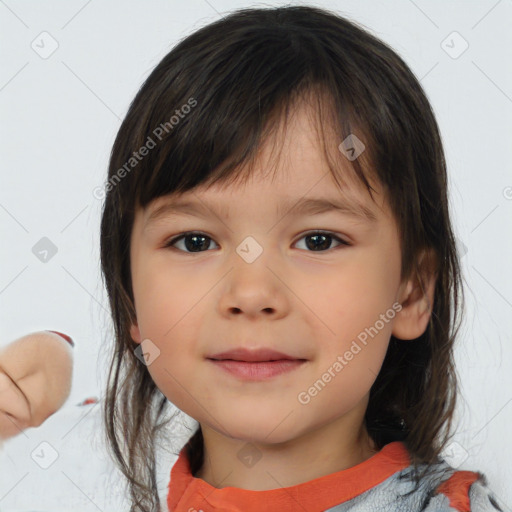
(354, 318)
(175, 374)
(168, 315)
(352, 297)
(165, 301)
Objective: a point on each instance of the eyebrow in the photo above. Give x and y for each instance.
(303, 206)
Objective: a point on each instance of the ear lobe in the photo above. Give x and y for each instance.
(417, 299)
(135, 333)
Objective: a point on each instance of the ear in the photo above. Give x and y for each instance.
(416, 295)
(135, 333)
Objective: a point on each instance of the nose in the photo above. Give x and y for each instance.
(254, 290)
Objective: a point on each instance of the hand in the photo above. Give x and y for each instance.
(35, 380)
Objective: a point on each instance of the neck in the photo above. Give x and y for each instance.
(258, 466)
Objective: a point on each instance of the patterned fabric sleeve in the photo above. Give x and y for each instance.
(467, 491)
(482, 499)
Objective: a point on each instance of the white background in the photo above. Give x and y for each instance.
(59, 118)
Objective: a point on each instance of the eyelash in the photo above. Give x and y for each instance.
(169, 244)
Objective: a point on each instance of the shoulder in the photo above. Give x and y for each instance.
(468, 491)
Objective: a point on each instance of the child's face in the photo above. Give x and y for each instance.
(310, 299)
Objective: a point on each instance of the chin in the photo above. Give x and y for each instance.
(261, 430)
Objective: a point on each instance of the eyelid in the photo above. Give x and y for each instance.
(171, 241)
(332, 234)
(168, 243)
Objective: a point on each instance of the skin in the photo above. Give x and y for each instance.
(307, 303)
(35, 380)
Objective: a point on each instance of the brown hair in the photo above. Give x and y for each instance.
(237, 75)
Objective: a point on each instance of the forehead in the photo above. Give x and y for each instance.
(297, 168)
(271, 200)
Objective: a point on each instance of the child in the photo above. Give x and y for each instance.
(35, 380)
(311, 331)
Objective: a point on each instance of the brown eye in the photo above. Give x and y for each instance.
(192, 242)
(320, 241)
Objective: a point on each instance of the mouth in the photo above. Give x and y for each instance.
(257, 364)
(253, 356)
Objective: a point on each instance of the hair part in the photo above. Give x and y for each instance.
(246, 72)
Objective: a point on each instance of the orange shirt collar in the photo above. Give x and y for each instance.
(190, 494)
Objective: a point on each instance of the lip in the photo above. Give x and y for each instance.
(255, 355)
(255, 365)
